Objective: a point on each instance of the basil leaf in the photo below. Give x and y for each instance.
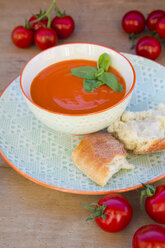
(91, 84)
(87, 72)
(111, 80)
(99, 72)
(104, 61)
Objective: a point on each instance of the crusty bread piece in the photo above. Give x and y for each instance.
(141, 132)
(99, 156)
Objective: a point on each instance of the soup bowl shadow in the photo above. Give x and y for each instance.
(78, 124)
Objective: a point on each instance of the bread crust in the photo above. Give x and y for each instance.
(93, 154)
(156, 146)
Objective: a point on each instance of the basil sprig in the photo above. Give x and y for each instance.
(95, 77)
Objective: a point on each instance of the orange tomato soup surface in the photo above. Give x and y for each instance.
(57, 90)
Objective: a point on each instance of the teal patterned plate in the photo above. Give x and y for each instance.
(44, 156)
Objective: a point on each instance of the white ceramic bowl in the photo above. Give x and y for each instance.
(77, 123)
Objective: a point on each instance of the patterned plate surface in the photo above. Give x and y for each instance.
(44, 156)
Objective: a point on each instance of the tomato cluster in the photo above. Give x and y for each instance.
(134, 23)
(42, 30)
(113, 213)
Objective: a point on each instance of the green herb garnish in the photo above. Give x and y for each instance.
(103, 62)
(94, 77)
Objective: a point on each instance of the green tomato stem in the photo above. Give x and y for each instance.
(39, 19)
(58, 11)
(50, 8)
(142, 195)
(27, 24)
(149, 191)
(98, 212)
(89, 208)
(132, 37)
(46, 14)
(49, 21)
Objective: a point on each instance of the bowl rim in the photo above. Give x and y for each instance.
(82, 114)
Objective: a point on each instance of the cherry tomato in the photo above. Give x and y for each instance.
(45, 38)
(64, 26)
(133, 22)
(155, 205)
(153, 18)
(160, 27)
(149, 236)
(112, 213)
(39, 24)
(22, 37)
(148, 47)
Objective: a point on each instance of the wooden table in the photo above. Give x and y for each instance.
(32, 216)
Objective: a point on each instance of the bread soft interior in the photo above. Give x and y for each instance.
(140, 130)
(118, 163)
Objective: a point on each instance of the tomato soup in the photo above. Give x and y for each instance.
(57, 90)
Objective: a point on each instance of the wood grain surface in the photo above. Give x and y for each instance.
(32, 216)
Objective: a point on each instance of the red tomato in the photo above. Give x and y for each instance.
(148, 47)
(45, 38)
(149, 236)
(22, 37)
(160, 27)
(153, 18)
(64, 26)
(155, 205)
(39, 24)
(112, 213)
(133, 22)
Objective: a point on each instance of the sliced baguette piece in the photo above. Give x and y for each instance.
(99, 156)
(141, 132)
